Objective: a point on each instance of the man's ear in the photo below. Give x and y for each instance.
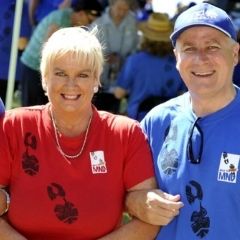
(236, 53)
(176, 56)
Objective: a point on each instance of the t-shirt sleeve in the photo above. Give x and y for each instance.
(138, 165)
(5, 156)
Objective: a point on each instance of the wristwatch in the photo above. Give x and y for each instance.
(7, 201)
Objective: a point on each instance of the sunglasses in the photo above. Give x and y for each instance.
(195, 143)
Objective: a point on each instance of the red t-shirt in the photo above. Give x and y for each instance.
(54, 198)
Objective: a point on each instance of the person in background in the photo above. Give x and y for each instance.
(83, 12)
(1, 106)
(118, 32)
(67, 180)
(38, 9)
(194, 137)
(150, 75)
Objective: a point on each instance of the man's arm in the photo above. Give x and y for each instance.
(153, 206)
(119, 92)
(32, 6)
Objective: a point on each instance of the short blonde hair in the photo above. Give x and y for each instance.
(78, 41)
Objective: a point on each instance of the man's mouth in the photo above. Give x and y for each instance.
(203, 74)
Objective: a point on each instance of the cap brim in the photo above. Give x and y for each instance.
(175, 35)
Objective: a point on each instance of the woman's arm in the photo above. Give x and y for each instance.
(4, 201)
(136, 229)
(6, 231)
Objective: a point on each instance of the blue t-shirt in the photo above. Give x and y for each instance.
(45, 7)
(209, 190)
(144, 75)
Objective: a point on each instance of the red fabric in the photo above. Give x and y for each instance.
(54, 198)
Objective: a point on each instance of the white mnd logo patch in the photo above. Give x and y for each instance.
(98, 163)
(228, 167)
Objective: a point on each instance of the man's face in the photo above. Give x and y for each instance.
(88, 18)
(119, 10)
(205, 59)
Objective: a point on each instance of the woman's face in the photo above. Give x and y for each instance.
(70, 84)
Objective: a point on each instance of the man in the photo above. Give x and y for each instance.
(118, 28)
(82, 13)
(194, 137)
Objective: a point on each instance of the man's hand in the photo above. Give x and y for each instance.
(153, 206)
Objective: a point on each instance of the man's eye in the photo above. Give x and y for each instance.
(213, 48)
(189, 49)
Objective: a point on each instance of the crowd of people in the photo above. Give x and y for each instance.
(70, 166)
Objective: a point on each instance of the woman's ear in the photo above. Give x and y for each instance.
(44, 84)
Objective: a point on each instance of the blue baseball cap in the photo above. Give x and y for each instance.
(203, 14)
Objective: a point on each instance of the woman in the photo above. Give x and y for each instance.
(82, 12)
(68, 166)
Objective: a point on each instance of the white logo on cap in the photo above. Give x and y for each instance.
(204, 15)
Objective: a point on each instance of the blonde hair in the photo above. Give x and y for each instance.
(79, 42)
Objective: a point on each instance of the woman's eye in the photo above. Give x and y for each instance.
(83, 75)
(60, 74)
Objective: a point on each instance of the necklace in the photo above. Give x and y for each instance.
(58, 143)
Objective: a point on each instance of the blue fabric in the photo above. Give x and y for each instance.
(144, 75)
(7, 11)
(32, 55)
(236, 75)
(210, 190)
(1, 106)
(204, 14)
(45, 7)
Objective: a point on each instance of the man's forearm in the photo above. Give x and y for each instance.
(134, 230)
(153, 206)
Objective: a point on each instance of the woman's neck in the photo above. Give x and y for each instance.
(71, 124)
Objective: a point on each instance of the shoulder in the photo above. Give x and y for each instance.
(116, 120)
(23, 115)
(118, 124)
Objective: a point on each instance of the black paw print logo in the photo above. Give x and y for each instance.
(200, 221)
(169, 164)
(30, 163)
(65, 212)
